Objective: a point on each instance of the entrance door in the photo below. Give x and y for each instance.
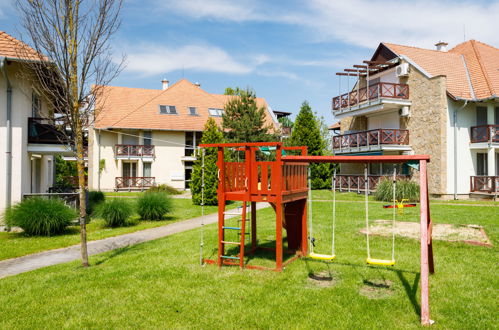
(481, 164)
(129, 173)
(481, 116)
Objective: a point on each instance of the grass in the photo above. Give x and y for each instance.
(17, 244)
(160, 284)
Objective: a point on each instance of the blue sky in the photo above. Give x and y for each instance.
(287, 51)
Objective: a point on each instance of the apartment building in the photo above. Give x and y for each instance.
(409, 100)
(144, 137)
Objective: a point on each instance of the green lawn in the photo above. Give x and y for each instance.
(17, 244)
(160, 284)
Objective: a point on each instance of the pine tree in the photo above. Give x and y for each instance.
(307, 132)
(243, 120)
(211, 134)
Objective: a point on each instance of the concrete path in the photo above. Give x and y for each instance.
(53, 257)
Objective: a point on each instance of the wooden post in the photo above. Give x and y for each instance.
(253, 226)
(221, 204)
(304, 228)
(425, 291)
(278, 234)
(277, 188)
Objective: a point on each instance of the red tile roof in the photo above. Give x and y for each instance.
(14, 49)
(122, 107)
(473, 59)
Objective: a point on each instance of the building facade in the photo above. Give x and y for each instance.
(408, 100)
(145, 137)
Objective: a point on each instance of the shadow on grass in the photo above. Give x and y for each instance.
(410, 290)
(113, 254)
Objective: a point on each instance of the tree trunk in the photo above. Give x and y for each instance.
(83, 198)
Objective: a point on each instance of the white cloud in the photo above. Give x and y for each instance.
(238, 11)
(150, 59)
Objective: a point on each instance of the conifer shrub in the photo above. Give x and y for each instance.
(42, 217)
(94, 198)
(405, 189)
(115, 212)
(154, 205)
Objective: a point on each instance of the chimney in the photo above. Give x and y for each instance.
(165, 83)
(441, 46)
(197, 84)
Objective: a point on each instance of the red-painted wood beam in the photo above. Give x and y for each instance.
(355, 159)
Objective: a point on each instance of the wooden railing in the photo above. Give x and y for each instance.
(374, 137)
(134, 182)
(482, 183)
(294, 177)
(127, 150)
(44, 131)
(485, 133)
(379, 90)
(357, 182)
(235, 176)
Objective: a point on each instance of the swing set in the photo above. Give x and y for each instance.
(283, 180)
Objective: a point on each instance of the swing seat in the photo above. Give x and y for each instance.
(326, 257)
(380, 262)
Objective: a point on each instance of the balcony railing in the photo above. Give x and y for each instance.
(485, 133)
(43, 131)
(357, 182)
(374, 137)
(482, 183)
(134, 182)
(130, 150)
(376, 91)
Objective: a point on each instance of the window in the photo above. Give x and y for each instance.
(215, 112)
(36, 106)
(192, 140)
(167, 109)
(146, 170)
(481, 164)
(188, 173)
(481, 116)
(147, 136)
(193, 111)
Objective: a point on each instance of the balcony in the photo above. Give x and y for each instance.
(127, 151)
(484, 184)
(485, 133)
(382, 95)
(375, 139)
(357, 182)
(43, 131)
(134, 183)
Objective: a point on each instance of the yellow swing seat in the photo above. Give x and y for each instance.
(380, 262)
(318, 256)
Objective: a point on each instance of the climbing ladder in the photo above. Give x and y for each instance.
(240, 228)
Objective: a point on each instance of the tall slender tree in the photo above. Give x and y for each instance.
(211, 134)
(73, 40)
(243, 120)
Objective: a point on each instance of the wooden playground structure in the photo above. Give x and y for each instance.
(281, 180)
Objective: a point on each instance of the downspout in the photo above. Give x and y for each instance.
(8, 149)
(455, 147)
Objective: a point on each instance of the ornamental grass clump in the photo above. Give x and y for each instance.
(405, 189)
(115, 212)
(153, 205)
(40, 217)
(164, 188)
(94, 198)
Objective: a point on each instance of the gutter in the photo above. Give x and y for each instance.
(8, 149)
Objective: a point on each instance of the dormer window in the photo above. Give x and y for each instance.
(215, 112)
(193, 111)
(167, 110)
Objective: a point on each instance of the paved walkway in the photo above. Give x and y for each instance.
(53, 257)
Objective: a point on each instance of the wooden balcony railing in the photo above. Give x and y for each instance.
(44, 131)
(130, 150)
(485, 133)
(374, 137)
(134, 182)
(483, 183)
(357, 182)
(376, 91)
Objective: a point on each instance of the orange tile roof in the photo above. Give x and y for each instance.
(14, 49)
(123, 107)
(477, 59)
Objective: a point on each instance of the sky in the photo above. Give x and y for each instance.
(286, 51)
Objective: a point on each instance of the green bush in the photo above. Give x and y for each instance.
(115, 212)
(164, 188)
(37, 216)
(94, 198)
(154, 205)
(405, 189)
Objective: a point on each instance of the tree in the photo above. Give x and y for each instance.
(243, 120)
(73, 36)
(307, 132)
(211, 134)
